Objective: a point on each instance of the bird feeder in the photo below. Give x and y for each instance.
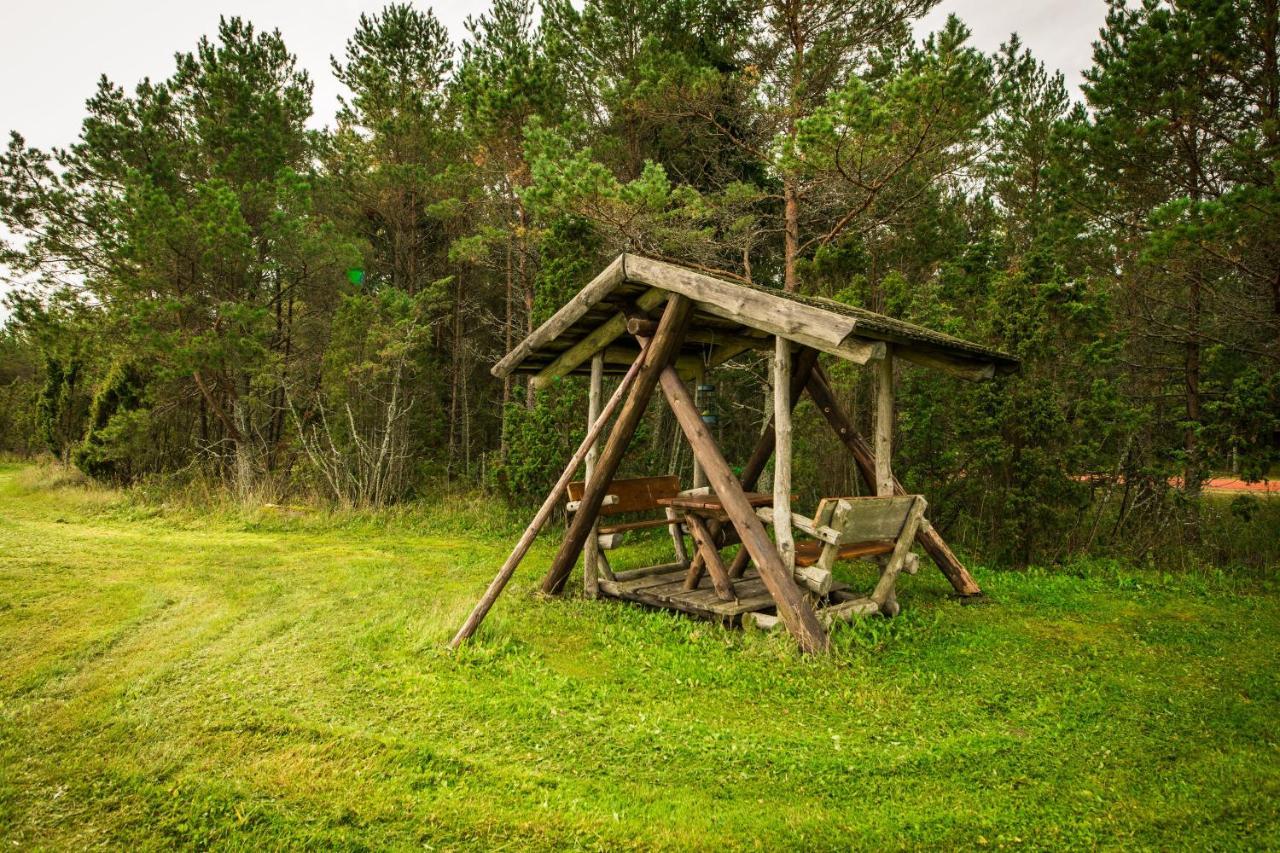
(708, 405)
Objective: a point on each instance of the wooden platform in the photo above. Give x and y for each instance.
(665, 589)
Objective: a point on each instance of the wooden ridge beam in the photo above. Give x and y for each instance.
(795, 321)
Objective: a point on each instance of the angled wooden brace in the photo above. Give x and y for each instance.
(664, 345)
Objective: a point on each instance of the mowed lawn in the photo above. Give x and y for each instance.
(265, 680)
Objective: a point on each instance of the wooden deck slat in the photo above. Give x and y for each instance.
(666, 590)
(705, 594)
(650, 580)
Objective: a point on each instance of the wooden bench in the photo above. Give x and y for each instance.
(858, 528)
(636, 495)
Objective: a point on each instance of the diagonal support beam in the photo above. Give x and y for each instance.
(707, 548)
(819, 388)
(666, 342)
(591, 557)
(802, 364)
(795, 610)
(500, 580)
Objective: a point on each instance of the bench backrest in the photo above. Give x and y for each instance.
(860, 519)
(636, 494)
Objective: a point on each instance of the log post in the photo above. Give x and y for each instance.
(884, 425)
(819, 388)
(707, 547)
(803, 364)
(738, 567)
(496, 586)
(782, 453)
(794, 609)
(591, 557)
(666, 341)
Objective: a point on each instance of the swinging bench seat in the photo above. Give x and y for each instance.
(634, 495)
(859, 527)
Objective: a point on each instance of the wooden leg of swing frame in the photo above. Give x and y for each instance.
(677, 537)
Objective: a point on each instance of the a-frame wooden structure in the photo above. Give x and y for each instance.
(654, 321)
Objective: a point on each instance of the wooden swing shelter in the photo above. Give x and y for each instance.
(658, 325)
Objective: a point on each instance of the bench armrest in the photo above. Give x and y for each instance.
(805, 525)
(573, 506)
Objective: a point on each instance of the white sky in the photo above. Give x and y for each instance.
(52, 52)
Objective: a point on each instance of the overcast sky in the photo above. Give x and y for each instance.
(52, 52)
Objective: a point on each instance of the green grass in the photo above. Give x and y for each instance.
(263, 680)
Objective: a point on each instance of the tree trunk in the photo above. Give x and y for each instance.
(1191, 439)
(791, 234)
(243, 460)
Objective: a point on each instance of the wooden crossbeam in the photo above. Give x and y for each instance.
(686, 364)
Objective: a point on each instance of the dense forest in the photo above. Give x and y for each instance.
(212, 291)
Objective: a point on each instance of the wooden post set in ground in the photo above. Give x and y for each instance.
(884, 425)
(782, 453)
(802, 365)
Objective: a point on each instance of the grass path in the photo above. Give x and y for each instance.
(169, 679)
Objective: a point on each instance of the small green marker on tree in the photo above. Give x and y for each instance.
(355, 276)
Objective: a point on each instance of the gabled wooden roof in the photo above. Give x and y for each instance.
(729, 319)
